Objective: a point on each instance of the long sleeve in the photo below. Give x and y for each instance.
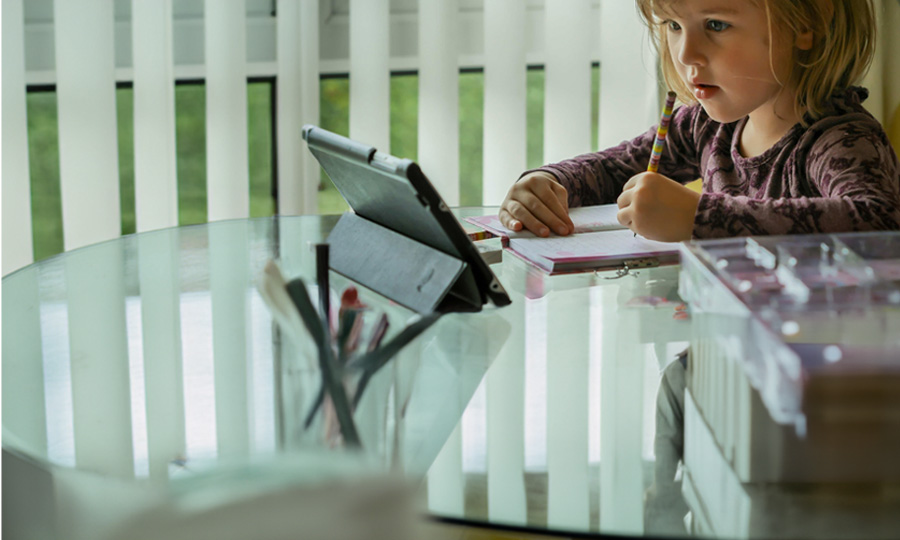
(835, 174)
(847, 180)
(597, 178)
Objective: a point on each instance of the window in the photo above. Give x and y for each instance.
(190, 134)
(190, 120)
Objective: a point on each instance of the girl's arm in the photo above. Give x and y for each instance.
(598, 178)
(852, 183)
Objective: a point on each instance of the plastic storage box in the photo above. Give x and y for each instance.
(795, 353)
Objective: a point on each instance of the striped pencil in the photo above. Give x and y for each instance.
(661, 133)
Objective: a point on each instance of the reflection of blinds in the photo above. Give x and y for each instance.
(161, 352)
(298, 104)
(439, 96)
(370, 103)
(24, 402)
(506, 424)
(622, 403)
(101, 398)
(504, 97)
(156, 193)
(541, 445)
(227, 163)
(567, 88)
(17, 250)
(445, 478)
(229, 274)
(567, 412)
(86, 101)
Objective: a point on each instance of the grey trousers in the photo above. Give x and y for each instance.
(664, 506)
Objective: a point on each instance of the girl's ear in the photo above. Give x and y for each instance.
(821, 13)
(804, 40)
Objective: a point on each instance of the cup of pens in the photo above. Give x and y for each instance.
(328, 357)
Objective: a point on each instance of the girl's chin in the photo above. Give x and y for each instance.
(719, 115)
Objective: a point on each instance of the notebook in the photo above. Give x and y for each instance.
(599, 241)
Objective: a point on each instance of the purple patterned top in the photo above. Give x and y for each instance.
(839, 174)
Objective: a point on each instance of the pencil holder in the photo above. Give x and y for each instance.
(330, 361)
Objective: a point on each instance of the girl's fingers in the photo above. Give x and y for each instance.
(563, 197)
(538, 204)
(549, 216)
(518, 212)
(551, 207)
(631, 182)
(508, 221)
(625, 216)
(624, 200)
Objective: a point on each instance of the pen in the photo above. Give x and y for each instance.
(661, 131)
(378, 333)
(377, 356)
(324, 290)
(331, 381)
(350, 323)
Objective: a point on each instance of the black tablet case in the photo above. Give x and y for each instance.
(400, 240)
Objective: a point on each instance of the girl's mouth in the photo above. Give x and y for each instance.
(704, 91)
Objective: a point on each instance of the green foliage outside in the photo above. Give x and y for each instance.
(190, 120)
(334, 115)
(190, 149)
(471, 137)
(43, 160)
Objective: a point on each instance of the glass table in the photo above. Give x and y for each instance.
(136, 362)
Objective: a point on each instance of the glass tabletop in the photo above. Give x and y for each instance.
(570, 411)
(153, 351)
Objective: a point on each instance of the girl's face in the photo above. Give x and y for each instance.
(721, 50)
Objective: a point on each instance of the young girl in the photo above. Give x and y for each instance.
(773, 126)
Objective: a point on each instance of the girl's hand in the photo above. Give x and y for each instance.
(658, 208)
(538, 203)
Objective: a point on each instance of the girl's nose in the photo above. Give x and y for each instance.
(690, 50)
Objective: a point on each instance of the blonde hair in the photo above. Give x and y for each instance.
(842, 48)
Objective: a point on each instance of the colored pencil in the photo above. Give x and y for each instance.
(661, 131)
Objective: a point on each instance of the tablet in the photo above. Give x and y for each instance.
(400, 238)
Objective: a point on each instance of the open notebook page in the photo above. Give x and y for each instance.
(590, 247)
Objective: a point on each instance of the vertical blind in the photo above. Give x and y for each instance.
(298, 103)
(439, 96)
(626, 108)
(156, 190)
(370, 88)
(504, 97)
(88, 145)
(227, 161)
(17, 250)
(567, 90)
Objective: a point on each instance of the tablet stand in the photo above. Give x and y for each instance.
(408, 272)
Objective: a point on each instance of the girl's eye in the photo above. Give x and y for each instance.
(673, 26)
(717, 26)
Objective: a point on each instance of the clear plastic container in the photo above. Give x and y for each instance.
(799, 313)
